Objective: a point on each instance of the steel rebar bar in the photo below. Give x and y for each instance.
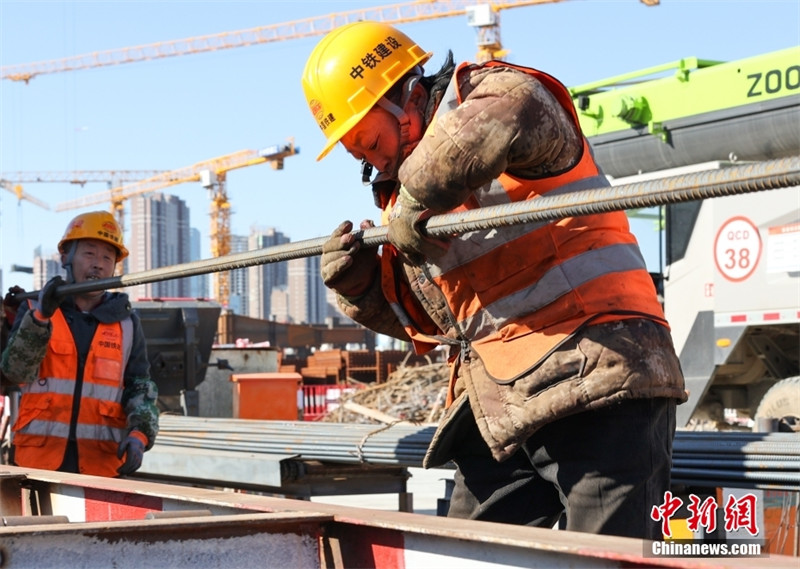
(737, 179)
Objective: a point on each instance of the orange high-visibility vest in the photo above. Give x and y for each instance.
(515, 293)
(45, 410)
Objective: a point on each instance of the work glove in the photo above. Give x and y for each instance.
(133, 449)
(345, 266)
(11, 302)
(48, 301)
(406, 232)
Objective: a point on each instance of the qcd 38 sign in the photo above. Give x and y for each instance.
(737, 248)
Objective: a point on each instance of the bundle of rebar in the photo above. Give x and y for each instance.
(740, 459)
(401, 443)
(706, 459)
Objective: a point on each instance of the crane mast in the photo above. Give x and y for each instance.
(220, 231)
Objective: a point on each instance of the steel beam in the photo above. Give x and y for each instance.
(108, 528)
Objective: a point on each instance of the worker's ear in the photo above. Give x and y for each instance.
(417, 99)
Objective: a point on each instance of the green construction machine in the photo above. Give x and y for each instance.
(692, 111)
(731, 271)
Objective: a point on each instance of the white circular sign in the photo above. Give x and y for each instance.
(737, 248)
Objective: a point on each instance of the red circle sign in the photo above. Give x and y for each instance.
(737, 248)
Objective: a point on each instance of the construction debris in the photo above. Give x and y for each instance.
(411, 393)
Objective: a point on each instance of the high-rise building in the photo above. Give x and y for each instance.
(238, 299)
(159, 237)
(286, 291)
(307, 304)
(279, 304)
(45, 268)
(198, 287)
(332, 310)
(263, 279)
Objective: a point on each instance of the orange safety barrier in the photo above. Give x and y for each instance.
(321, 399)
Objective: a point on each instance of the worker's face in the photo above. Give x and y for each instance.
(93, 259)
(376, 139)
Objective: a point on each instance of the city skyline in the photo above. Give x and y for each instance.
(162, 235)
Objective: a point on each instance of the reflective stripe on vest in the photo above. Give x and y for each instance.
(45, 410)
(533, 283)
(67, 387)
(59, 429)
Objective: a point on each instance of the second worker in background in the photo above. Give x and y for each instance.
(88, 404)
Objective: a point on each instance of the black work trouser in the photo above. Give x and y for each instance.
(603, 469)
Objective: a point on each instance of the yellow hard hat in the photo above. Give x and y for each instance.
(95, 225)
(350, 69)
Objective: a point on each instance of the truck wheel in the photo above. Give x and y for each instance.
(782, 402)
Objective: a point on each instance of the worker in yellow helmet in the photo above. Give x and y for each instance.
(88, 404)
(564, 376)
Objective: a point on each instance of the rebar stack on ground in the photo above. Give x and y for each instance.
(401, 444)
(706, 459)
(738, 459)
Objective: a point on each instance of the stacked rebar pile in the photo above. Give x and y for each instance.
(707, 459)
(402, 444)
(737, 459)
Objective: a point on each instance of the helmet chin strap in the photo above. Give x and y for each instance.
(67, 264)
(404, 122)
(405, 147)
(384, 183)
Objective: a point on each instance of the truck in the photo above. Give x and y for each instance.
(730, 266)
(180, 333)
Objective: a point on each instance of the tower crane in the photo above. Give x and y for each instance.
(212, 174)
(17, 190)
(79, 177)
(483, 15)
(13, 181)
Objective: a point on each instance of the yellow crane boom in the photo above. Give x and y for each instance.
(79, 177)
(212, 173)
(17, 190)
(421, 10)
(113, 178)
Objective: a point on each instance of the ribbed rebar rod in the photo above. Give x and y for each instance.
(717, 474)
(740, 463)
(754, 177)
(738, 446)
(737, 179)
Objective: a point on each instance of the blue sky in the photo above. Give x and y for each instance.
(174, 112)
